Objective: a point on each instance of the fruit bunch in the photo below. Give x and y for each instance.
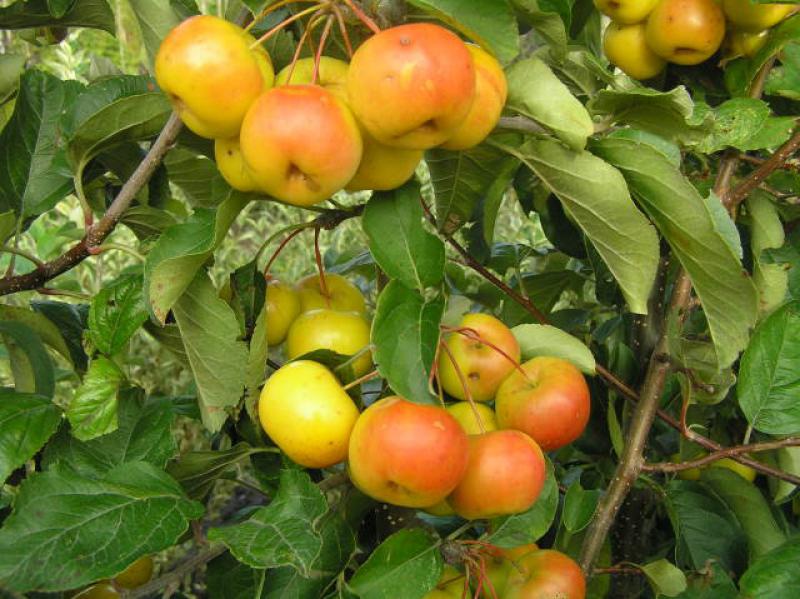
(644, 35)
(322, 124)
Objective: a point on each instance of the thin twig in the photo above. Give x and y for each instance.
(722, 454)
(27, 255)
(174, 576)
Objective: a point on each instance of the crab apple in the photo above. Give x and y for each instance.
(499, 566)
(626, 48)
(626, 12)
(211, 75)
(345, 333)
(505, 475)
(231, 165)
(451, 584)
(100, 590)
(301, 143)
(744, 43)
(283, 306)
(749, 16)
(685, 32)
(135, 575)
(341, 294)
(545, 574)
(550, 402)
(407, 454)
(482, 366)
(491, 90)
(411, 86)
(307, 413)
(331, 74)
(468, 415)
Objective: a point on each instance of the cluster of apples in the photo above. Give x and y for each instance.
(524, 572)
(645, 35)
(324, 125)
(134, 576)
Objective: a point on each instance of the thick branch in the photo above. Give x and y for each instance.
(719, 455)
(103, 228)
(174, 576)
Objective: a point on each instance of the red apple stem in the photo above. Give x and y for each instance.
(323, 285)
(306, 36)
(343, 29)
(363, 379)
(464, 386)
(283, 24)
(434, 375)
(470, 333)
(362, 16)
(271, 8)
(322, 40)
(279, 249)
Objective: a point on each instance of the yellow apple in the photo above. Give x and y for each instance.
(491, 90)
(626, 48)
(135, 575)
(345, 333)
(468, 419)
(283, 306)
(231, 165)
(745, 43)
(626, 12)
(746, 472)
(451, 584)
(210, 74)
(685, 31)
(332, 74)
(100, 590)
(308, 414)
(342, 294)
(749, 16)
(301, 143)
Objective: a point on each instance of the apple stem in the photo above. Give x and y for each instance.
(464, 386)
(323, 285)
(343, 29)
(271, 8)
(306, 36)
(279, 249)
(470, 333)
(323, 38)
(362, 16)
(434, 375)
(362, 379)
(283, 24)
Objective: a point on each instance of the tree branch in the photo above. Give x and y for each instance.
(103, 228)
(719, 455)
(174, 576)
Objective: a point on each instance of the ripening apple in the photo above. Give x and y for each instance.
(307, 413)
(685, 32)
(546, 574)
(211, 75)
(481, 365)
(498, 568)
(346, 333)
(332, 74)
(231, 165)
(301, 143)
(407, 454)
(744, 43)
(626, 12)
(505, 475)
(550, 402)
(135, 575)
(283, 306)
(743, 470)
(341, 294)
(468, 414)
(491, 90)
(451, 585)
(626, 48)
(411, 86)
(100, 590)
(749, 16)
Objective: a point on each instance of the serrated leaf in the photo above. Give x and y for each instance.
(407, 564)
(623, 237)
(67, 531)
(490, 23)
(405, 332)
(769, 380)
(776, 575)
(92, 412)
(27, 422)
(30, 363)
(116, 314)
(218, 359)
(545, 340)
(535, 92)
(36, 13)
(401, 246)
(156, 19)
(546, 23)
(182, 249)
(689, 227)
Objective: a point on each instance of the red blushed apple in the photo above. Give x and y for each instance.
(545, 574)
(505, 475)
(407, 454)
(550, 402)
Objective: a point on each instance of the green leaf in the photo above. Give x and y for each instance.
(198, 176)
(34, 175)
(30, 364)
(544, 290)
(750, 508)
(490, 23)
(174, 260)
(535, 92)
(623, 237)
(775, 575)
(70, 320)
(92, 412)
(36, 13)
(401, 246)
(67, 531)
(116, 314)
(689, 226)
(11, 67)
(405, 332)
(407, 564)
(783, 80)
(156, 19)
(58, 8)
(27, 422)
(218, 359)
(769, 380)
(461, 180)
(228, 578)
(284, 533)
(144, 435)
(710, 583)
(766, 232)
(788, 459)
(737, 121)
(197, 471)
(40, 324)
(665, 578)
(256, 364)
(545, 340)
(546, 23)
(528, 527)
(579, 506)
